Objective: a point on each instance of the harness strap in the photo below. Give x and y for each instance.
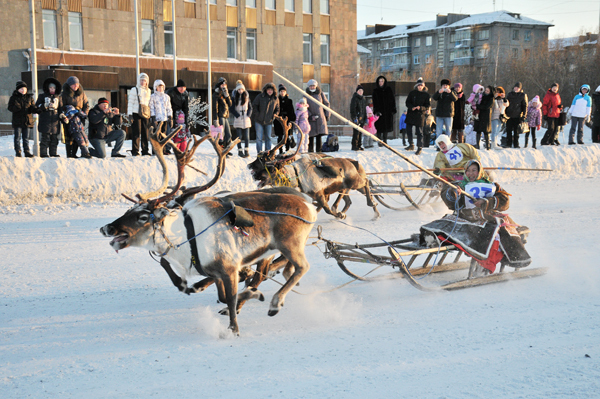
(191, 234)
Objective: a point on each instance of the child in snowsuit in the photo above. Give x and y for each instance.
(534, 119)
(22, 106)
(77, 130)
(160, 109)
(302, 121)
(49, 104)
(181, 138)
(370, 125)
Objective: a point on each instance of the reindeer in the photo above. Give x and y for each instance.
(316, 175)
(217, 237)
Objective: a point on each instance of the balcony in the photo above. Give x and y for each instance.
(463, 61)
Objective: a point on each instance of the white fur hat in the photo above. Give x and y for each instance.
(444, 139)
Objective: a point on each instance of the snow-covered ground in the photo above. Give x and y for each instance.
(78, 320)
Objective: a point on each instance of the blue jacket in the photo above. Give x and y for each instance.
(582, 104)
(402, 124)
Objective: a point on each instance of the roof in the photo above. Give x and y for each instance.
(472, 20)
(362, 50)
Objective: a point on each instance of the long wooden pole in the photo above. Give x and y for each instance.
(363, 131)
(458, 169)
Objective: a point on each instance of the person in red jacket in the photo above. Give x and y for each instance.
(551, 110)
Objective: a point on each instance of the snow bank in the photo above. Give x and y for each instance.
(61, 180)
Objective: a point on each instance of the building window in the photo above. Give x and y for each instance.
(270, 4)
(250, 44)
(483, 53)
(369, 65)
(325, 7)
(483, 34)
(429, 40)
(515, 35)
(307, 6)
(75, 31)
(231, 45)
(527, 35)
(307, 48)
(452, 56)
(49, 23)
(370, 47)
(417, 41)
(515, 53)
(290, 5)
(526, 53)
(168, 38)
(147, 36)
(250, 3)
(232, 3)
(428, 58)
(324, 49)
(213, 2)
(325, 90)
(416, 60)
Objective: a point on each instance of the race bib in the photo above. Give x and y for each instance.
(479, 190)
(454, 156)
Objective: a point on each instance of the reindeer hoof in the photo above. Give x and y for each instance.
(224, 312)
(273, 312)
(261, 297)
(342, 216)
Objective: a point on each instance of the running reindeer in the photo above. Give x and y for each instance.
(316, 175)
(236, 231)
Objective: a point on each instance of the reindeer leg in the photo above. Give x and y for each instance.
(251, 291)
(347, 200)
(301, 266)
(177, 281)
(366, 191)
(323, 204)
(230, 283)
(200, 286)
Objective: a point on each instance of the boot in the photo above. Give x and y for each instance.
(43, 152)
(246, 154)
(410, 148)
(18, 154)
(478, 135)
(526, 140)
(488, 144)
(240, 153)
(533, 144)
(418, 152)
(28, 154)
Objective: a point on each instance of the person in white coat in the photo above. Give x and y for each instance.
(581, 110)
(138, 98)
(241, 111)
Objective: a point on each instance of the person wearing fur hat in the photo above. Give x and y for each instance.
(384, 104)
(596, 116)
(500, 104)
(221, 103)
(534, 120)
(303, 124)
(444, 112)
(483, 124)
(417, 103)
(551, 109)
(458, 121)
(452, 156)
(73, 94)
(242, 112)
(286, 110)
(358, 115)
(317, 116)
(264, 108)
(49, 105)
(516, 113)
(22, 106)
(161, 110)
(137, 106)
(180, 99)
(581, 111)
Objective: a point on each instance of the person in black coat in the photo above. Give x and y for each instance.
(180, 99)
(458, 122)
(483, 125)
(516, 113)
(286, 110)
(358, 115)
(444, 111)
(417, 104)
(384, 105)
(221, 102)
(49, 105)
(102, 118)
(22, 106)
(596, 116)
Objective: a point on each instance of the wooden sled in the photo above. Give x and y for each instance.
(426, 192)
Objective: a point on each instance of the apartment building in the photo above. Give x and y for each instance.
(95, 40)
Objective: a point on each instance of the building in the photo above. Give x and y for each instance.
(95, 40)
(478, 41)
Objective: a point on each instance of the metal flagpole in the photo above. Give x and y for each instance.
(174, 43)
(208, 90)
(137, 41)
(34, 82)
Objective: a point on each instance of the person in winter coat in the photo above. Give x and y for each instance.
(242, 112)
(483, 124)
(74, 119)
(286, 110)
(581, 111)
(221, 103)
(384, 104)
(417, 104)
(303, 124)
(138, 99)
(534, 120)
(160, 110)
(22, 106)
(551, 108)
(49, 105)
(370, 125)
(180, 99)
(402, 127)
(264, 108)
(475, 98)
(500, 104)
(516, 113)
(358, 115)
(458, 121)
(444, 112)
(73, 94)
(102, 118)
(452, 156)
(317, 116)
(596, 116)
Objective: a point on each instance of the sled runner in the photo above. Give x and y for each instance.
(426, 192)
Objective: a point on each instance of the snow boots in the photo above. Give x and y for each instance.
(410, 148)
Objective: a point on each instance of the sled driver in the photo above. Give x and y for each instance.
(453, 156)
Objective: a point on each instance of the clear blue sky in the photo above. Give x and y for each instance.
(569, 17)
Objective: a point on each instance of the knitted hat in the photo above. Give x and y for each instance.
(240, 85)
(359, 87)
(458, 87)
(72, 80)
(445, 82)
(443, 138)
(519, 85)
(20, 84)
(180, 83)
(282, 87)
(102, 100)
(312, 82)
(221, 81)
(237, 82)
(302, 101)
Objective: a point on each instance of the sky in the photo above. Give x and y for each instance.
(569, 17)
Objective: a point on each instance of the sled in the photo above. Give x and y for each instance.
(409, 259)
(426, 192)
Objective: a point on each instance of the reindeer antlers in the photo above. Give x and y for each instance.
(286, 128)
